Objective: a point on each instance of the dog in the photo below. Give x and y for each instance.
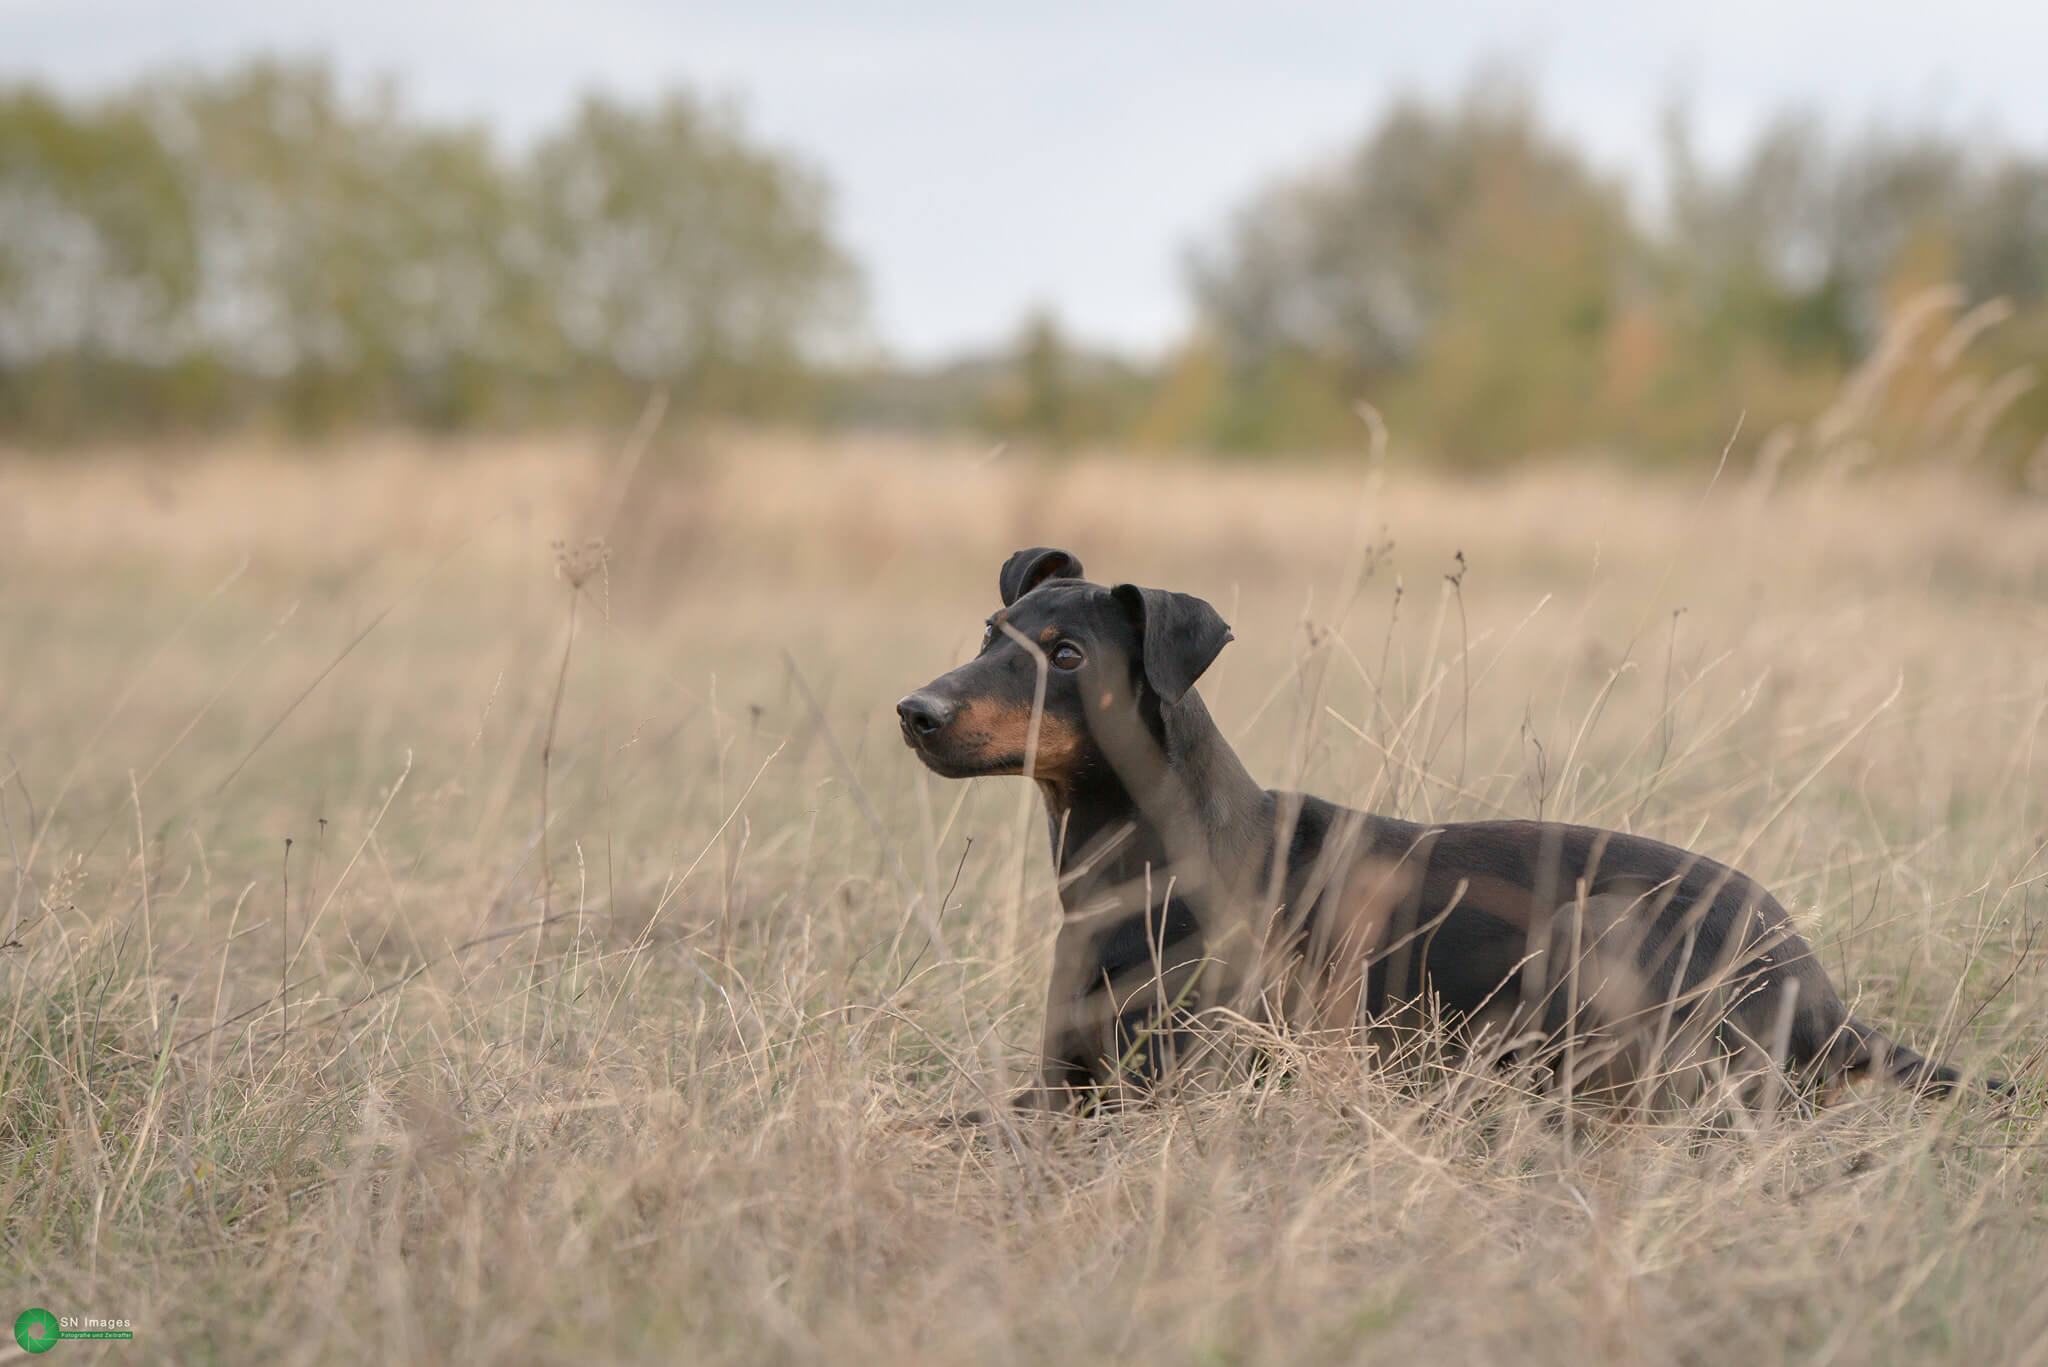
(1629, 969)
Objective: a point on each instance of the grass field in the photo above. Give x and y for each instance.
(392, 976)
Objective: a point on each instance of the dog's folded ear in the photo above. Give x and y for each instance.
(1026, 570)
(1182, 636)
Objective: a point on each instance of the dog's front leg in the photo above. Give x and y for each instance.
(1071, 1046)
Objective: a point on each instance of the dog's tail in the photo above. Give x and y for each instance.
(1860, 1049)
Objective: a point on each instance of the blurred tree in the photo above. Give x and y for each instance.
(2003, 244)
(1033, 392)
(1461, 261)
(1899, 255)
(268, 235)
(1472, 277)
(1796, 245)
(1046, 389)
(99, 251)
(98, 255)
(366, 263)
(678, 252)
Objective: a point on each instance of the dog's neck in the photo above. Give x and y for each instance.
(1200, 816)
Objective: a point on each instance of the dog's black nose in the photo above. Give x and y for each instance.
(923, 714)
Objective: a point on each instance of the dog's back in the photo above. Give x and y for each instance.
(1650, 957)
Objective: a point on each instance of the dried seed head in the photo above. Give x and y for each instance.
(578, 563)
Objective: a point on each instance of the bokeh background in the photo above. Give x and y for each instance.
(1511, 230)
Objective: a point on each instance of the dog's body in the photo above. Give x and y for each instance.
(1632, 967)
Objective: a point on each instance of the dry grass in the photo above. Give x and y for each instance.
(664, 1127)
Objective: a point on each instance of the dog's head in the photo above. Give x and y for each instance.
(1101, 650)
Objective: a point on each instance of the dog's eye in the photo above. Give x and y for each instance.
(988, 635)
(1066, 655)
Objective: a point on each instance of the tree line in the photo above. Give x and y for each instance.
(202, 249)
(1467, 272)
(265, 244)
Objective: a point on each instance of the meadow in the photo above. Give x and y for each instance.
(468, 902)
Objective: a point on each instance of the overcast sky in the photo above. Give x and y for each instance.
(988, 158)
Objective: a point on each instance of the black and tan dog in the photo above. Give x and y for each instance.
(1631, 969)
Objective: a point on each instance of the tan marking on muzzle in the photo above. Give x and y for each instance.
(1000, 730)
